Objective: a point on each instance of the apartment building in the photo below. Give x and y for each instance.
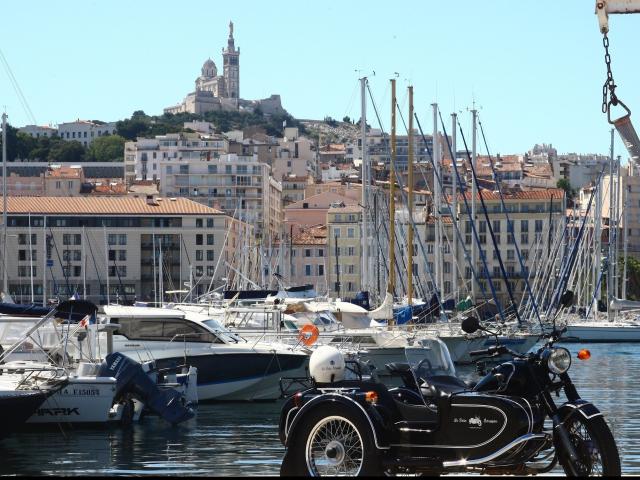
(529, 212)
(197, 167)
(344, 252)
(120, 248)
(85, 131)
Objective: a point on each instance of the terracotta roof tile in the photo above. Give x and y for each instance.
(316, 235)
(544, 194)
(106, 206)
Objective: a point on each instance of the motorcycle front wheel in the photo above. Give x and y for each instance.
(595, 446)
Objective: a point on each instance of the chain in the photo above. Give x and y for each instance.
(609, 87)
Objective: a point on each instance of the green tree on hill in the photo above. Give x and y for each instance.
(106, 149)
(66, 151)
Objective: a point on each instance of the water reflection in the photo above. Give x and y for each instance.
(242, 439)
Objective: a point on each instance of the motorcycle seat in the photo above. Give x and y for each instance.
(444, 383)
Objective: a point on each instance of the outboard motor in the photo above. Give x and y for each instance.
(132, 379)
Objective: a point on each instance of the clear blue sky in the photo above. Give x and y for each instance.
(535, 67)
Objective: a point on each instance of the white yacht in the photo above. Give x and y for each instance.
(229, 366)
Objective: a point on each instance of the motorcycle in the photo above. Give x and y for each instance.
(434, 423)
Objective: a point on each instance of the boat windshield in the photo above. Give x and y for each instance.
(430, 359)
(222, 333)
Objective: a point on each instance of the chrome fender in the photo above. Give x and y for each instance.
(370, 415)
(586, 409)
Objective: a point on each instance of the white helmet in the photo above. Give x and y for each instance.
(326, 365)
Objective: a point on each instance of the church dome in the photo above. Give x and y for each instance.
(209, 69)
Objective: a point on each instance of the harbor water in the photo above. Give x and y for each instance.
(242, 439)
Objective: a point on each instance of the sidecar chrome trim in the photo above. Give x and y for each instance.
(287, 425)
(364, 412)
(474, 405)
(494, 455)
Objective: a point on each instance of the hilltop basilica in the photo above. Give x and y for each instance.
(222, 92)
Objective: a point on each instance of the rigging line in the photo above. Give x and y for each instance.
(440, 182)
(353, 96)
(17, 88)
(399, 180)
(119, 278)
(510, 230)
(416, 232)
(93, 258)
(455, 224)
(564, 273)
(66, 277)
(489, 226)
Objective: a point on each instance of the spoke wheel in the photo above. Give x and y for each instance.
(595, 446)
(334, 447)
(590, 463)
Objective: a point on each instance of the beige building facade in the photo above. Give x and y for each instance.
(113, 248)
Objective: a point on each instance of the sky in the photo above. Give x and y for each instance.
(534, 69)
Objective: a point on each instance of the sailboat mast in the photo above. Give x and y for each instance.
(437, 195)
(106, 257)
(30, 258)
(454, 209)
(625, 238)
(410, 181)
(5, 275)
(84, 265)
(611, 214)
(364, 285)
(392, 194)
(474, 194)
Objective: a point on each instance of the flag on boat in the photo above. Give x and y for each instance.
(87, 320)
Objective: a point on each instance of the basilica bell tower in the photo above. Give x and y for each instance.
(231, 62)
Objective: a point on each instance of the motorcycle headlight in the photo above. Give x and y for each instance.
(559, 360)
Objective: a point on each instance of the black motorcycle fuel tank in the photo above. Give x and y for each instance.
(474, 425)
(509, 378)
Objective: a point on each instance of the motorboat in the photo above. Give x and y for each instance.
(93, 390)
(230, 367)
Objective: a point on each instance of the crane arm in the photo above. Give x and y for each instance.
(605, 7)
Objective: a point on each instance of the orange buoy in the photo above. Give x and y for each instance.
(308, 334)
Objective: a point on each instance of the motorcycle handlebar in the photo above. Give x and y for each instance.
(475, 353)
(489, 351)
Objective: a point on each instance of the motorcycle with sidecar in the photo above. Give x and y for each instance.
(434, 423)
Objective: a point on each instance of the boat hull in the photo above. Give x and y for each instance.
(601, 334)
(82, 400)
(17, 406)
(239, 376)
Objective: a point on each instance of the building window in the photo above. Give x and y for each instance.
(351, 251)
(210, 270)
(210, 239)
(351, 232)
(112, 239)
(199, 256)
(199, 270)
(524, 238)
(210, 255)
(77, 270)
(199, 239)
(320, 270)
(307, 252)
(320, 252)
(308, 270)
(511, 255)
(538, 226)
(209, 222)
(199, 223)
